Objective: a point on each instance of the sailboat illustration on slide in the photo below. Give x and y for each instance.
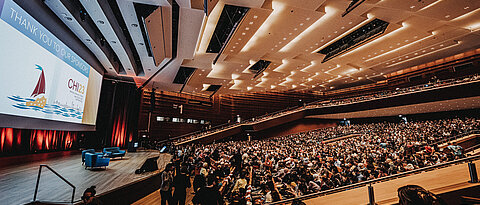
(39, 89)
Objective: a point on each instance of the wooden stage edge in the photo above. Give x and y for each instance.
(439, 181)
(17, 182)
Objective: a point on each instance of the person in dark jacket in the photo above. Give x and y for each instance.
(89, 197)
(180, 184)
(208, 195)
(417, 195)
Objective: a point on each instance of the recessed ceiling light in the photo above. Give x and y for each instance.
(412, 7)
(239, 39)
(113, 42)
(251, 22)
(68, 18)
(255, 16)
(246, 28)
(140, 44)
(134, 25)
(447, 16)
(350, 22)
(233, 46)
(243, 33)
(88, 40)
(284, 38)
(295, 29)
(466, 7)
(100, 22)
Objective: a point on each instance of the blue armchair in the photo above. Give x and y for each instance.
(113, 152)
(95, 160)
(91, 151)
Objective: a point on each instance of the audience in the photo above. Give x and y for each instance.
(283, 167)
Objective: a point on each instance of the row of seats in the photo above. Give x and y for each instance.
(94, 159)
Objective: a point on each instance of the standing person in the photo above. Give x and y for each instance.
(166, 186)
(208, 195)
(180, 184)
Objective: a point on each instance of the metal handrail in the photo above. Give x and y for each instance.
(382, 179)
(457, 136)
(60, 176)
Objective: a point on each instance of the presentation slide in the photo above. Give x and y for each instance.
(40, 77)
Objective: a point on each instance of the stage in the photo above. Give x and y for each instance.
(17, 182)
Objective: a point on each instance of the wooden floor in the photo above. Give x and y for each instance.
(437, 181)
(17, 183)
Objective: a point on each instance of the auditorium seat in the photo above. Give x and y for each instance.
(94, 160)
(113, 152)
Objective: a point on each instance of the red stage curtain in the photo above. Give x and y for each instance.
(25, 141)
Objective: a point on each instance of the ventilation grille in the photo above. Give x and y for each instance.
(213, 88)
(354, 39)
(183, 75)
(259, 67)
(229, 19)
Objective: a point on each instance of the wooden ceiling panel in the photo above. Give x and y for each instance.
(304, 4)
(281, 27)
(252, 21)
(411, 6)
(448, 10)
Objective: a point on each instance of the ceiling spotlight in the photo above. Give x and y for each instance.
(100, 22)
(134, 25)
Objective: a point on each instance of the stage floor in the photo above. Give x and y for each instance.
(17, 182)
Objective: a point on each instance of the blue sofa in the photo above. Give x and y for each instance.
(113, 152)
(91, 151)
(95, 160)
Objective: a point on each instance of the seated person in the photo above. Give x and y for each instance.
(416, 195)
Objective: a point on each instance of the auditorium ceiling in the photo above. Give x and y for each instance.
(231, 46)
